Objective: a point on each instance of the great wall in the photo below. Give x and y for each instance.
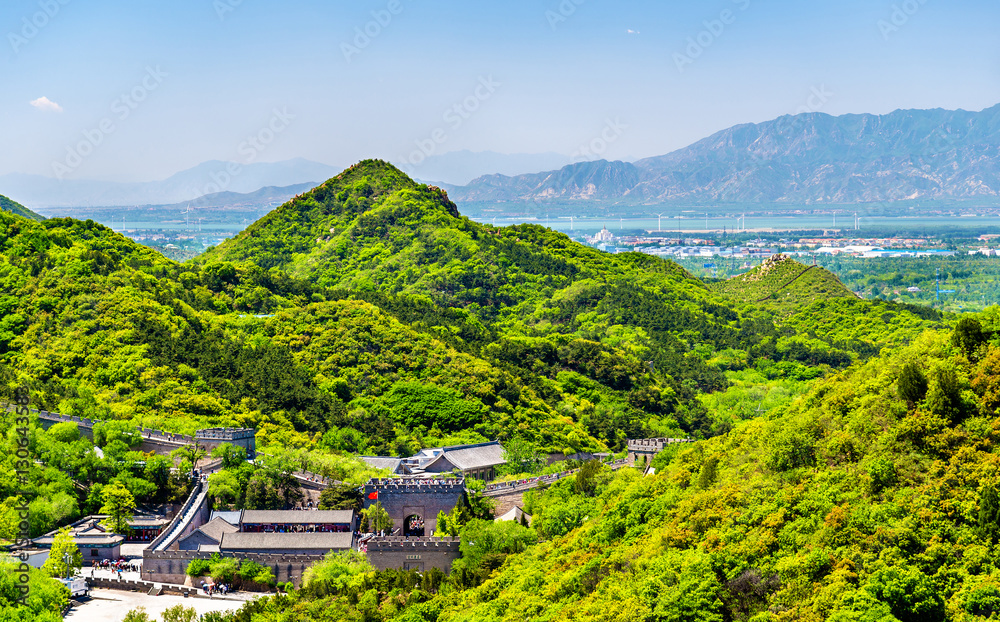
(403, 498)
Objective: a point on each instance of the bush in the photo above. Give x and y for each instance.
(198, 568)
(912, 385)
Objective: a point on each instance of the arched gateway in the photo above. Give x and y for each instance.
(413, 504)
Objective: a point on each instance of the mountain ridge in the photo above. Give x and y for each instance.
(809, 159)
(206, 178)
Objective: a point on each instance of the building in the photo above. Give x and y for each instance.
(146, 528)
(317, 543)
(413, 503)
(477, 461)
(285, 521)
(95, 542)
(297, 521)
(211, 438)
(208, 537)
(35, 558)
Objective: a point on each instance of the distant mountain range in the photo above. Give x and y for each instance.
(208, 178)
(807, 159)
(461, 167)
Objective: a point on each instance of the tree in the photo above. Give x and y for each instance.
(106, 432)
(119, 505)
(137, 615)
(262, 494)
(232, 456)
(180, 613)
(912, 385)
(192, 453)
(340, 497)
(64, 556)
(585, 482)
(989, 514)
(197, 568)
(376, 517)
(521, 456)
(969, 336)
(944, 397)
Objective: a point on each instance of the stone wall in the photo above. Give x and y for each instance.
(407, 497)
(171, 566)
(418, 554)
(137, 586)
(648, 447)
(238, 437)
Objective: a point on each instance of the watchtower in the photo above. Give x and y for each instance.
(239, 437)
(413, 504)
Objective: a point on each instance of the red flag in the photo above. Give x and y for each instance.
(373, 495)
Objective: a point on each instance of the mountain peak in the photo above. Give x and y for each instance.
(363, 201)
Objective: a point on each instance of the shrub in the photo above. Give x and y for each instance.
(198, 567)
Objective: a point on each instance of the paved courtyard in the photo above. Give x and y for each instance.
(112, 605)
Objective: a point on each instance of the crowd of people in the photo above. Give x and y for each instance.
(212, 589)
(115, 566)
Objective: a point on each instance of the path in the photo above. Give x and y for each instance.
(191, 509)
(788, 284)
(520, 485)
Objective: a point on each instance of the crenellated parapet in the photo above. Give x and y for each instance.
(418, 554)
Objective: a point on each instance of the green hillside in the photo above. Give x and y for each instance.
(14, 207)
(784, 285)
(873, 497)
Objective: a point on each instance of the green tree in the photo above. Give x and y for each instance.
(944, 397)
(65, 432)
(180, 613)
(232, 456)
(107, 432)
(709, 473)
(119, 505)
(340, 497)
(912, 385)
(989, 514)
(192, 453)
(521, 456)
(585, 482)
(376, 517)
(137, 615)
(198, 568)
(64, 556)
(969, 336)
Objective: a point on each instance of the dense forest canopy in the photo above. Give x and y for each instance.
(844, 446)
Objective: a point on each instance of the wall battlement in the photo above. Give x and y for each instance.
(423, 486)
(390, 543)
(261, 558)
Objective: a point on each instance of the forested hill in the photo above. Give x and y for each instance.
(649, 335)
(872, 498)
(14, 207)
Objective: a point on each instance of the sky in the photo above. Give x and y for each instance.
(137, 90)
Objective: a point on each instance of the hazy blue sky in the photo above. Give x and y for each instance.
(560, 72)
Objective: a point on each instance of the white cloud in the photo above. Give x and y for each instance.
(632, 32)
(44, 103)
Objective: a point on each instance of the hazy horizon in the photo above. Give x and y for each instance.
(122, 92)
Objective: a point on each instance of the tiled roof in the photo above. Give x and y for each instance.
(285, 541)
(216, 527)
(482, 455)
(382, 462)
(301, 517)
(232, 516)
